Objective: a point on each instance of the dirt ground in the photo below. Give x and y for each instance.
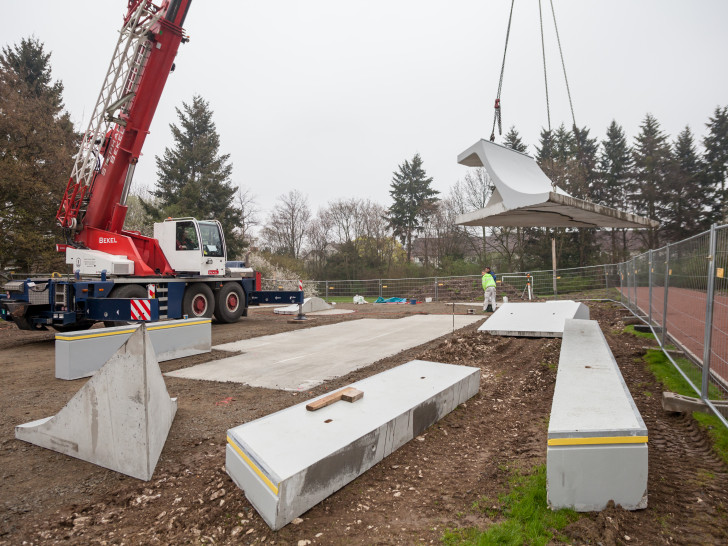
(411, 497)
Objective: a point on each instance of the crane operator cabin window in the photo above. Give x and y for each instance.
(211, 240)
(187, 236)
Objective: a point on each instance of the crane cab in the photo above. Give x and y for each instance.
(192, 246)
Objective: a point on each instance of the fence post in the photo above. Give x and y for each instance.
(708, 314)
(634, 282)
(649, 282)
(435, 288)
(327, 291)
(664, 297)
(380, 288)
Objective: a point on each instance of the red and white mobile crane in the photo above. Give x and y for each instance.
(118, 274)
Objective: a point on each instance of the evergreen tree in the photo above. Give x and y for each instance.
(513, 140)
(37, 144)
(688, 197)
(193, 178)
(716, 160)
(413, 198)
(615, 166)
(652, 161)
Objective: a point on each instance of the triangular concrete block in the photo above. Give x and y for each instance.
(119, 419)
(310, 305)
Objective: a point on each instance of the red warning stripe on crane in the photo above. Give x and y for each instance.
(141, 310)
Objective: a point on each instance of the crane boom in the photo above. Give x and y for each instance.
(93, 208)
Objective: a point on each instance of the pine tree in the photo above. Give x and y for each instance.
(193, 178)
(37, 144)
(716, 160)
(615, 166)
(688, 198)
(513, 140)
(652, 161)
(413, 198)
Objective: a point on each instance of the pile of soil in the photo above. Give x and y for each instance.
(428, 485)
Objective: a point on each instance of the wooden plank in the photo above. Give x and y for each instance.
(348, 394)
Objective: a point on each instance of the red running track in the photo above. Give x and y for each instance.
(686, 321)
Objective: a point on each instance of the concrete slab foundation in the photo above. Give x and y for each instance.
(328, 448)
(533, 319)
(119, 419)
(302, 359)
(309, 306)
(80, 354)
(597, 440)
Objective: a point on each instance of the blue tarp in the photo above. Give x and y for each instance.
(391, 300)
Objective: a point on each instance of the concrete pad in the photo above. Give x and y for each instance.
(309, 306)
(331, 312)
(302, 359)
(533, 319)
(119, 419)
(597, 440)
(81, 354)
(289, 461)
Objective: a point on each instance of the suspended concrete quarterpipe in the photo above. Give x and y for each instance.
(525, 197)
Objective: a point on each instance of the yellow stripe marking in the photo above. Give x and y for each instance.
(103, 334)
(598, 440)
(252, 465)
(163, 326)
(87, 336)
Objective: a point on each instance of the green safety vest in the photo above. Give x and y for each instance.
(488, 281)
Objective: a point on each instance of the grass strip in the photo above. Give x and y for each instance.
(527, 517)
(665, 372)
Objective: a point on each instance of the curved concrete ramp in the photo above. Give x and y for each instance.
(525, 196)
(119, 419)
(534, 319)
(310, 305)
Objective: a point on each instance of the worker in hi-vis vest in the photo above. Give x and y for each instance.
(489, 288)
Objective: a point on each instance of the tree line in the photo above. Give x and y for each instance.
(680, 181)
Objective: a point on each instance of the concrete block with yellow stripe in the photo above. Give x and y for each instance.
(291, 460)
(80, 354)
(597, 440)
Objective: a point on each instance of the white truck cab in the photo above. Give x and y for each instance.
(192, 246)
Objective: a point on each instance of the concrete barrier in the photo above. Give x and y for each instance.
(597, 440)
(291, 460)
(119, 419)
(80, 354)
(533, 319)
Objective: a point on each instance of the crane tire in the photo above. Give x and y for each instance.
(125, 291)
(229, 302)
(198, 301)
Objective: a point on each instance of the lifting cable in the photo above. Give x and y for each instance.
(563, 66)
(545, 79)
(497, 113)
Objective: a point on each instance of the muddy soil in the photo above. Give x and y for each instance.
(412, 496)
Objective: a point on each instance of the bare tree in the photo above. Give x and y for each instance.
(249, 212)
(470, 194)
(287, 224)
(318, 238)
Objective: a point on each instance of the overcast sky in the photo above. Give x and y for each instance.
(328, 97)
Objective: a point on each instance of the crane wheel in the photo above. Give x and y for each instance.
(229, 302)
(198, 301)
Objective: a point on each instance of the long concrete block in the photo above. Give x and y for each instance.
(81, 354)
(533, 319)
(597, 440)
(289, 461)
(119, 419)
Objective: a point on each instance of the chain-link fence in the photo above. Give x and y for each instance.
(680, 290)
